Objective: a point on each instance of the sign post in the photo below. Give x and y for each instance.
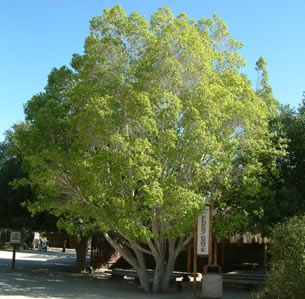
(211, 234)
(202, 239)
(15, 240)
(204, 233)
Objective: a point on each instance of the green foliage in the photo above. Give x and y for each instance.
(292, 166)
(13, 213)
(263, 89)
(286, 279)
(153, 121)
(286, 188)
(244, 204)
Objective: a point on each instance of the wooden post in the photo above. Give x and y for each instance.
(265, 258)
(189, 257)
(65, 244)
(211, 235)
(14, 257)
(195, 257)
(222, 254)
(215, 252)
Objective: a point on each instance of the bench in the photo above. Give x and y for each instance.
(244, 279)
(246, 266)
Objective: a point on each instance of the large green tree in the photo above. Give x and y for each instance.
(146, 128)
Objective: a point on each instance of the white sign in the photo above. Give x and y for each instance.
(15, 237)
(203, 232)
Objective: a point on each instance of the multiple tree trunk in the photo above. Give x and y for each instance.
(164, 252)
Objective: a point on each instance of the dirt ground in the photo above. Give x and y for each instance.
(52, 275)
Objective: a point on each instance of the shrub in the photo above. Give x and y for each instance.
(287, 275)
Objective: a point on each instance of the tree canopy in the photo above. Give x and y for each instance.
(13, 212)
(289, 188)
(152, 122)
(246, 205)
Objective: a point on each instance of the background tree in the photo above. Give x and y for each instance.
(263, 89)
(13, 212)
(47, 128)
(144, 130)
(286, 191)
(290, 190)
(245, 204)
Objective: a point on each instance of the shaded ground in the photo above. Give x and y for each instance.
(52, 275)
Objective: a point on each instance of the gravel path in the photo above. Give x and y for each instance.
(51, 275)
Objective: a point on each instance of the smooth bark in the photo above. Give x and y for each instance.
(81, 247)
(165, 253)
(135, 258)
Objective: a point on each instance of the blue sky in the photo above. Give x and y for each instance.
(37, 35)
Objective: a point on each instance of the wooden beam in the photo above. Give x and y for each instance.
(222, 254)
(195, 257)
(265, 257)
(14, 257)
(189, 257)
(215, 252)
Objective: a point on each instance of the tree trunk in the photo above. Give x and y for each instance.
(170, 263)
(141, 269)
(165, 259)
(175, 246)
(136, 260)
(158, 276)
(81, 253)
(168, 271)
(144, 280)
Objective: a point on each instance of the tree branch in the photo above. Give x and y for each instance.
(133, 243)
